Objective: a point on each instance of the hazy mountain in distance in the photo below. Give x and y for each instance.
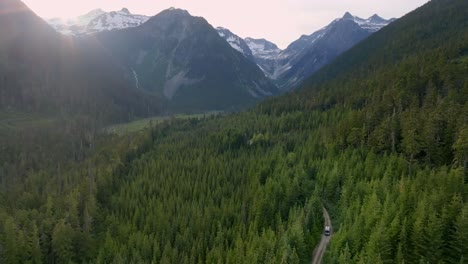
(43, 71)
(311, 52)
(183, 59)
(96, 21)
(289, 67)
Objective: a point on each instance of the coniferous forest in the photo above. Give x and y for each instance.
(379, 137)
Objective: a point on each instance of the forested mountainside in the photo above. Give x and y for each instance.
(437, 34)
(380, 138)
(418, 86)
(42, 71)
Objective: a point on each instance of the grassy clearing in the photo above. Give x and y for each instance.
(14, 121)
(140, 124)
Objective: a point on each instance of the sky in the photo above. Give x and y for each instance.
(280, 21)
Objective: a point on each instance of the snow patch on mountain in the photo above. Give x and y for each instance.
(115, 20)
(235, 41)
(262, 48)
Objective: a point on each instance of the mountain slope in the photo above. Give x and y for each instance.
(310, 53)
(265, 54)
(184, 59)
(236, 42)
(41, 70)
(398, 97)
(409, 68)
(416, 39)
(289, 67)
(97, 21)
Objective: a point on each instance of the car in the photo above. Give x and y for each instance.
(327, 231)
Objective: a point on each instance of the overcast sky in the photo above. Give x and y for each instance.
(280, 21)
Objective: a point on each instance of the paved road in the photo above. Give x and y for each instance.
(319, 251)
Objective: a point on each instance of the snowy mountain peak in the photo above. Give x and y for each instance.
(376, 19)
(311, 52)
(372, 24)
(98, 20)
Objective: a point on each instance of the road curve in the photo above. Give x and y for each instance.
(319, 251)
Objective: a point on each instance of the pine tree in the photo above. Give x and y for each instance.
(36, 254)
(345, 256)
(461, 150)
(461, 234)
(10, 243)
(62, 242)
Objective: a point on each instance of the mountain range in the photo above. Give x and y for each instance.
(175, 56)
(289, 67)
(179, 58)
(285, 68)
